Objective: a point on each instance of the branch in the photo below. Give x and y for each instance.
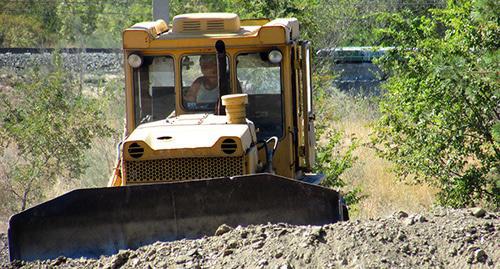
(449, 170)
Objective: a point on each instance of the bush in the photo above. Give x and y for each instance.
(333, 156)
(19, 31)
(46, 125)
(441, 105)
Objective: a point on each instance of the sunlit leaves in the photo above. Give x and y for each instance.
(442, 103)
(47, 124)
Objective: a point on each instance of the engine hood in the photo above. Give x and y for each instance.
(192, 135)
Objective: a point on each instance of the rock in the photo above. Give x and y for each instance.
(263, 262)
(478, 212)
(285, 266)
(307, 258)
(151, 252)
(406, 248)
(472, 230)
(258, 245)
(232, 244)
(227, 252)
(401, 236)
(161, 264)
(282, 232)
(409, 221)
(119, 259)
(305, 244)
(17, 263)
(134, 262)
(453, 251)
(181, 259)
(244, 234)
(193, 266)
(318, 232)
(224, 228)
(193, 252)
(420, 218)
(60, 260)
(278, 254)
(401, 215)
(480, 255)
(470, 238)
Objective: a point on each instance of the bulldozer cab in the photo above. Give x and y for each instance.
(174, 70)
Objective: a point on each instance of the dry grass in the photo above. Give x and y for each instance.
(385, 194)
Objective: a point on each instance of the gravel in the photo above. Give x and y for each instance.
(87, 62)
(443, 238)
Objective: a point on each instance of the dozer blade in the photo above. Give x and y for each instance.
(93, 222)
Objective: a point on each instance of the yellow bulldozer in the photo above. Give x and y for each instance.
(219, 130)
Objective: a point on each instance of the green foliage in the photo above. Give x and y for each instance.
(101, 158)
(46, 125)
(326, 23)
(330, 160)
(19, 31)
(113, 18)
(334, 155)
(21, 26)
(81, 23)
(441, 113)
(352, 199)
(303, 10)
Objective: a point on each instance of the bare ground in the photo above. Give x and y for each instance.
(441, 239)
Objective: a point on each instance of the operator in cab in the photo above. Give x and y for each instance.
(205, 89)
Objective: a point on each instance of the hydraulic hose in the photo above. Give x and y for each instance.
(269, 153)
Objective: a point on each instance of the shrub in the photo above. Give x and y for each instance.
(46, 125)
(441, 106)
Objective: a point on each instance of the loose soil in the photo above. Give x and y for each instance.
(444, 238)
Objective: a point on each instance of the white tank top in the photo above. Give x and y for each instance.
(207, 96)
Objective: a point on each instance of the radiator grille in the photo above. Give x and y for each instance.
(182, 169)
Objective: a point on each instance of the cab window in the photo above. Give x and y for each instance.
(200, 82)
(261, 80)
(154, 89)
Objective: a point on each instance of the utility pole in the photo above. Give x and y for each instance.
(160, 10)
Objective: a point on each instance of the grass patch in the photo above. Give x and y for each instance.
(370, 177)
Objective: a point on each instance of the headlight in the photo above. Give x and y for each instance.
(275, 56)
(134, 60)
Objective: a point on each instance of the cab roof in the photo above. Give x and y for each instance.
(200, 27)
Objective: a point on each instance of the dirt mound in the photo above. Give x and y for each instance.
(442, 239)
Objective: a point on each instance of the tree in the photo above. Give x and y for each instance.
(27, 23)
(441, 108)
(78, 19)
(46, 126)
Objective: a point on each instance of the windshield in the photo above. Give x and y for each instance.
(154, 89)
(261, 80)
(200, 82)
